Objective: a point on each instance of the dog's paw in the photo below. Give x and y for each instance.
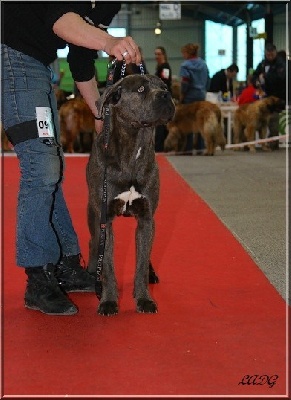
(146, 306)
(108, 308)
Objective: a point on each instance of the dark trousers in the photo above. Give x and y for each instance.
(190, 142)
(274, 130)
(190, 137)
(161, 133)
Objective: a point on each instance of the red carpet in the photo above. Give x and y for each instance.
(219, 318)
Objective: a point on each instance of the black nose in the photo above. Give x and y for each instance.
(165, 95)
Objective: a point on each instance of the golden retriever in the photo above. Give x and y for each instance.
(249, 118)
(201, 117)
(76, 119)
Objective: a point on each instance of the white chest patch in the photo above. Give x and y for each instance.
(128, 197)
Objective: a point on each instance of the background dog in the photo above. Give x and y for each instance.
(77, 125)
(5, 145)
(249, 118)
(137, 104)
(200, 116)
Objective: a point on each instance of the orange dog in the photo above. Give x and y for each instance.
(200, 116)
(76, 119)
(249, 118)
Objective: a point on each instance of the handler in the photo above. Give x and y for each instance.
(47, 245)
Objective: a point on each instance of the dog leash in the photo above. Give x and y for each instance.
(103, 219)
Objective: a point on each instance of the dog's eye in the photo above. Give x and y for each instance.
(140, 89)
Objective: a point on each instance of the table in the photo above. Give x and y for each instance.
(227, 109)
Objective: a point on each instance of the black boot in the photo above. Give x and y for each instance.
(43, 292)
(73, 277)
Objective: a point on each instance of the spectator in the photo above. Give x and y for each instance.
(194, 75)
(270, 75)
(282, 54)
(222, 81)
(163, 71)
(222, 84)
(194, 84)
(250, 93)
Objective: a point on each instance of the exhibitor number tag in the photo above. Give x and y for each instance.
(44, 122)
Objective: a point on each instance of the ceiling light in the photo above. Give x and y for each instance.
(158, 28)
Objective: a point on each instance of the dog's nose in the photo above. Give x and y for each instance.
(165, 95)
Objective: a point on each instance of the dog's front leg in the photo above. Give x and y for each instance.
(144, 238)
(263, 134)
(209, 145)
(250, 132)
(108, 302)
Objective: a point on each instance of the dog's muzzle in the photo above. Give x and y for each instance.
(165, 105)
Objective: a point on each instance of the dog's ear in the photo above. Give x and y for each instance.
(111, 95)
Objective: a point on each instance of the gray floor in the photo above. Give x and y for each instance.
(248, 194)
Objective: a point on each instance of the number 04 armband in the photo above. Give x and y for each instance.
(41, 127)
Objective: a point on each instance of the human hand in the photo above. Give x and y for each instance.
(123, 48)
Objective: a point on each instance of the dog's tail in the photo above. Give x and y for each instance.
(220, 131)
(214, 125)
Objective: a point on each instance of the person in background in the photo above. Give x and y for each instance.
(222, 84)
(163, 71)
(47, 246)
(250, 94)
(194, 85)
(222, 81)
(282, 54)
(270, 75)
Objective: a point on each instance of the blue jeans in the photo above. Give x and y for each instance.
(44, 227)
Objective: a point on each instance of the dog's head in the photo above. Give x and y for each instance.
(139, 101)
(274, 104)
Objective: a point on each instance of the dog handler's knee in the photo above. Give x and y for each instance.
(40, 157)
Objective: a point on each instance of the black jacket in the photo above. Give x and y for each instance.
(164, 72)
(27, 27)
(275, 77)
(218, 83)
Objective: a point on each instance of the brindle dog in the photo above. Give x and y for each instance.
(137, 104)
